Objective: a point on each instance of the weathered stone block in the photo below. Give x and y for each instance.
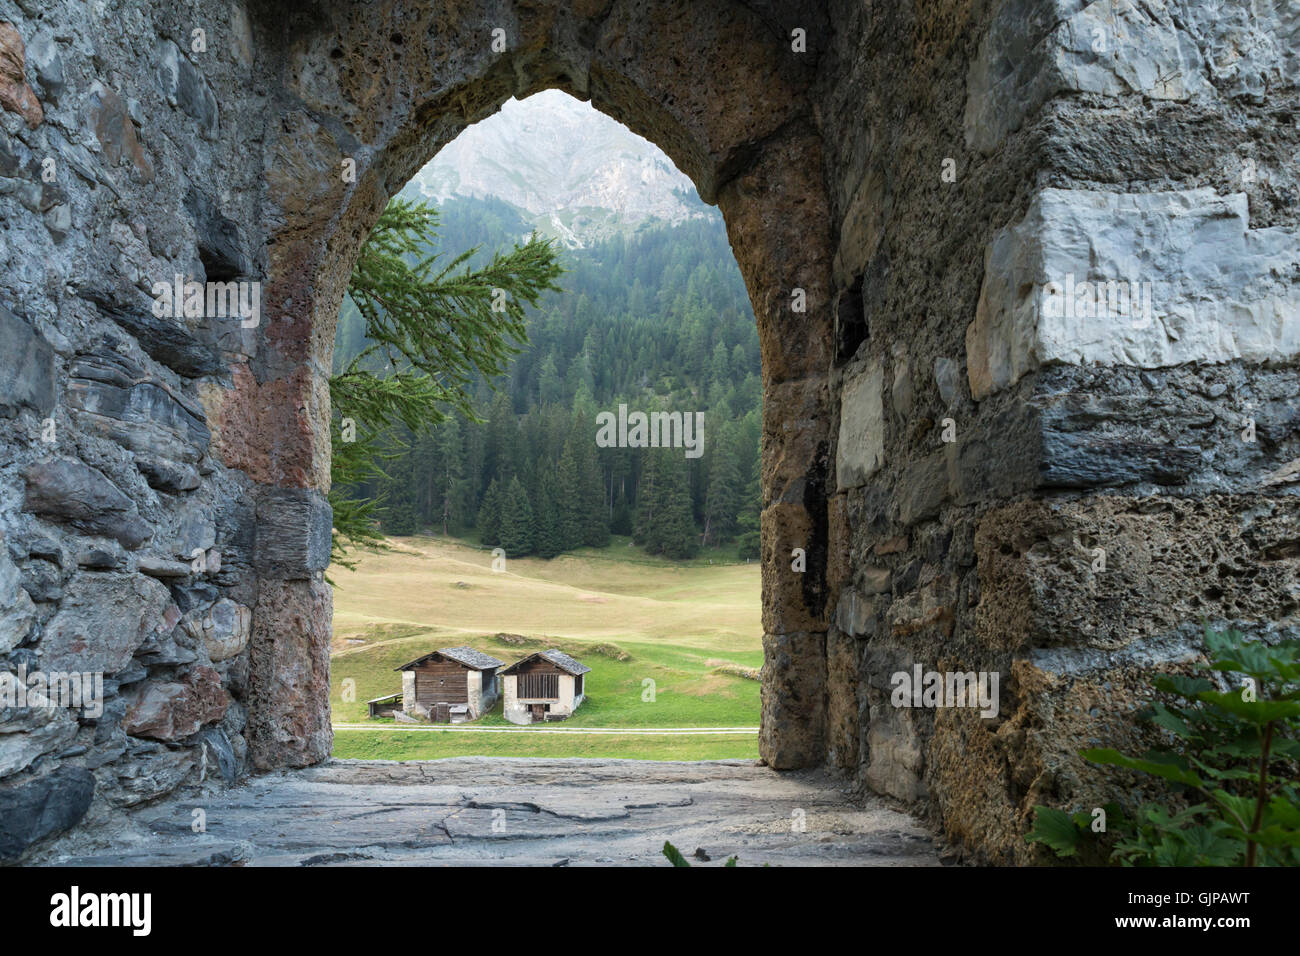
(225, 629)
(795, 439)
(101, 621)
(1056, 285)
(171, 710)
(192, 353)
(293, 532)
(35, 809)
(164, 431)
(842, 687)
(68, 491)
(785, 248)
(219, 753)
(947, 378)
(1034, 51)
(839, 544)
(184, 86)
(925, 486)
(106, 114)
(792, 600)
(1114, 571)
(30, 731)
(16, 611)
(793, 725)
(860, 452)
(894, 743)
(26, 367)
(151, 773)
(288, 692)
(15, 94)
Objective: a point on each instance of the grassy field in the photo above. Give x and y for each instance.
(693, 630)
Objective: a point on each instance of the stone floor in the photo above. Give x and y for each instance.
(510, 811)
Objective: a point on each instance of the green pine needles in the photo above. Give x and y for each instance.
(1233, 762)
(431, 329)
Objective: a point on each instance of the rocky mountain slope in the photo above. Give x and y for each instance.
(572, 171)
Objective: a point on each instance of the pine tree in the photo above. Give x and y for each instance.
(489, 516)
(723, 498)
(449, 459)
(569, 505)
(645, 530)
(679, 538)
(545, 512)
(748, 545)
(516, 520)
(595, 523)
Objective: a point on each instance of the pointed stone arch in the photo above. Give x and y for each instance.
(720, 89)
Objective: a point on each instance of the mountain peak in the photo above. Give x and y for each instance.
(573, 172)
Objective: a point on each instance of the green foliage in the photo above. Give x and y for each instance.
(516, 521)
(430, 331)
(674, 855)
(489, 516)
(1070, 835)
(676, 859)
(1233, 761)
(664, 313)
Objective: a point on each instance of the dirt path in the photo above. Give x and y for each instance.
(510, 811)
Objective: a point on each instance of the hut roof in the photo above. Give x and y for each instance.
(465, 656)
(561, 660)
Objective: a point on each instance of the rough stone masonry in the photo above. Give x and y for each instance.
(903, 183)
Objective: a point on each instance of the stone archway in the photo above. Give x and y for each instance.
(381, 95)
(950, 452)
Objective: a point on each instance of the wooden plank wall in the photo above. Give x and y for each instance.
(535, 685)
(454, 688)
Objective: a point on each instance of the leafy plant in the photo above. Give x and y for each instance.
(676, 859)
(1234, 757)
(1070, 835)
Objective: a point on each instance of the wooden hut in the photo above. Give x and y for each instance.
(450, 685)
(544, 686)
(385, 706)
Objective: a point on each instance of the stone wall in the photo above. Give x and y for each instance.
(899, 181)
(993, 447)
(128, 541)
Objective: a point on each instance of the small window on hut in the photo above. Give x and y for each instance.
(577, 685)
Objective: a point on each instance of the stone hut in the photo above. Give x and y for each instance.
(544, 686)
(450, 685)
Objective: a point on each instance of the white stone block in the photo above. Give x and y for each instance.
(861, 449)
(1217, 290)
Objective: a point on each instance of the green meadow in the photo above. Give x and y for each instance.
(669, 645)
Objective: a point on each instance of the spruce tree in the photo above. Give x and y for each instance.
(449, 462)
(723, 498)
(516, 520)
(489, 516)
(570, 506)
(645, 530)
(678, 536)
(545, 512)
